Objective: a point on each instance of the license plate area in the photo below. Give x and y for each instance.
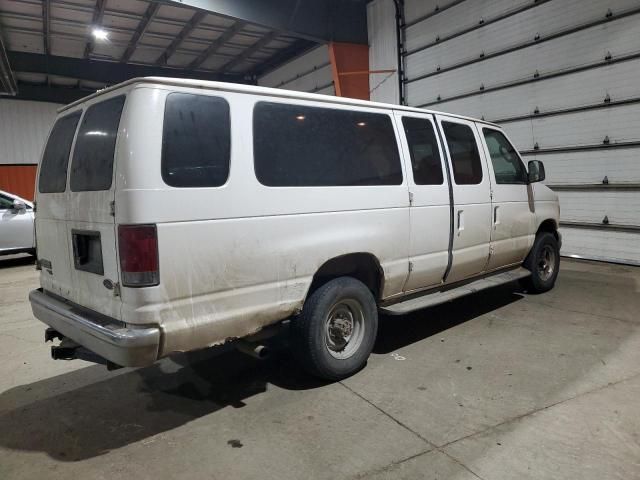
(87, 251)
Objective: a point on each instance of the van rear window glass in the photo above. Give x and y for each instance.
(465, 158)
(92, 164)
(300, 146)
(196, 141)
(53, 170)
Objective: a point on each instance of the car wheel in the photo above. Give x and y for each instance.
(334, 335)
(544, 263)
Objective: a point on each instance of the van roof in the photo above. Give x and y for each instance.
(257, 90)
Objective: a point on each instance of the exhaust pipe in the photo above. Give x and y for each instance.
(255, 350)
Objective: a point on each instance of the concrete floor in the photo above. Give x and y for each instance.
(499, 385)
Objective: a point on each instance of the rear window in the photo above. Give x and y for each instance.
(92, 164)
(55, 161)
(196, 141)
(465, 158)
(300, 146)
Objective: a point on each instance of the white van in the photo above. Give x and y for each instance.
(174, 215)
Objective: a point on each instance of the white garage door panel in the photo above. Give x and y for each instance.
(520, 134)
(611, 245)
(587, 46)
(304, 64)
(620, 165)
(585, 120)
(621, 207)
(457, 18)
(310, 82)
(620, 124)
(582, 88)
(548, 18)
(327, 91)
(415, 9)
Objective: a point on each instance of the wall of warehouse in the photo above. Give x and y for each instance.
(24, 126)
(561, 76)
(310, 72)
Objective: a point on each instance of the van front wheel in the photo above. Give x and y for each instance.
(335, 333)
(544, 262)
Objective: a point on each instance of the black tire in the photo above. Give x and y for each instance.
(544, 263)
(331, 308)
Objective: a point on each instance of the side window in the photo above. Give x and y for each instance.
(507, 166)
(465, 158)
(5, 203)
(300, 146)
(196, 141)
(55, 161)
(423, 147)
(92, 164)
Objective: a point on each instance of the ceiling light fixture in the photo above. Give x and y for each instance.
(100, 33)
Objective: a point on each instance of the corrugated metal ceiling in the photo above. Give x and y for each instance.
(139, 32)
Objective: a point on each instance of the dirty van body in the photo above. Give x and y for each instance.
(175, 215)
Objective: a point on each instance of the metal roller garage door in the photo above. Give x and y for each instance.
(562, 77)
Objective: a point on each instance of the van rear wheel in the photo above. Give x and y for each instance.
(544, 263)
(334, 335)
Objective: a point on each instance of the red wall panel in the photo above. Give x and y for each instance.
(19, 180)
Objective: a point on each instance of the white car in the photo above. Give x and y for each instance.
(16, 225)
(175, 215)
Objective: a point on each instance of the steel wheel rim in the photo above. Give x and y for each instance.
(344, 328)
(546, 263)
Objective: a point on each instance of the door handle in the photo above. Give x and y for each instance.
(496, 218)
(460, 221)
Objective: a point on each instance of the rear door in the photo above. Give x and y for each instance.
(91, 235)
(75, 230)
(471, 194)
(52, 207)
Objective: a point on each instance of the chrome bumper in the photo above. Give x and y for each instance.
(109, 338)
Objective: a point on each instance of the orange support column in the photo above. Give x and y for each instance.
(350, 68)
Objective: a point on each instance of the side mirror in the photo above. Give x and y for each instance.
(19, 205)
(536, 171)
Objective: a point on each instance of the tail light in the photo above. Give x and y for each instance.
(138, 247)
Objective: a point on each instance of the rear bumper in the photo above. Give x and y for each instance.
(109, 338)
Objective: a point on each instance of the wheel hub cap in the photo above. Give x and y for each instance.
(344, 328)
(546, 262)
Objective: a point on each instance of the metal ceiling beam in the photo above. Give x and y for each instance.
(46, 26)
(7, 80)
(317, 20)
(147, 18)
(190, 26)
(107, 73)
(48, 93)
(98, 13)
(227, 67)
(216, 44)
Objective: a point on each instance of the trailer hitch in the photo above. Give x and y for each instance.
(70, 350)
